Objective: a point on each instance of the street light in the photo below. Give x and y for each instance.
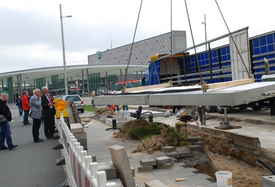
(63, 49)
(205, 30)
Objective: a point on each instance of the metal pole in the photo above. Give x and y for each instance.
(83, 85)
(2, 85)
(88, 89)
(21, 84)
(63, 49)
(18, 89)
(205, 31)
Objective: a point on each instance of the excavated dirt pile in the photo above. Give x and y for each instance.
(153, 136)
(104, 112)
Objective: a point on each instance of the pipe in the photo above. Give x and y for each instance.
(267, 166)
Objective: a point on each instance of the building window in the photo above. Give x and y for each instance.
(163, 45)
(141, 51)
(122, 55)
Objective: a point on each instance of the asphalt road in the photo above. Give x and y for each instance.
(30, 164)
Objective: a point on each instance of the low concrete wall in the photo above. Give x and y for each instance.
(249, 142)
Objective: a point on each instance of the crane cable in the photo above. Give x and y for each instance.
(232, 39)
(197, 62)
(132, 46)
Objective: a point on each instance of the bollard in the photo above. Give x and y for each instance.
(93, 169)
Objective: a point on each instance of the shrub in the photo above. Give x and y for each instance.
(142, 131)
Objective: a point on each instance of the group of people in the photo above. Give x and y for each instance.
(38, 106)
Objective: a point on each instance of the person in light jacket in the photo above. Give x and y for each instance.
(36, 114)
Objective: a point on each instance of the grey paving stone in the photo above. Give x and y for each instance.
(148, 162)
(184, 154)
(173, 154)
(195, 147)
(163, 160)
(168, 148)
(110, 170)
(193, 139)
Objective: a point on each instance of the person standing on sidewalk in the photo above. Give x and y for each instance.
(26, 107)
(5, 131)
(18, 104)
(49, 112)
(36, 114)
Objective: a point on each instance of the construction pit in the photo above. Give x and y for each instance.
(209, 150)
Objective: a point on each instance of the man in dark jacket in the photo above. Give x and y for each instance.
(5, 131)
(49, 112)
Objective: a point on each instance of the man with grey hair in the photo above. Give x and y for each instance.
(49, 112)
(5, 131)
(36, 114)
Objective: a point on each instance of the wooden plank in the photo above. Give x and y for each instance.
(230, 83)
(165, 85)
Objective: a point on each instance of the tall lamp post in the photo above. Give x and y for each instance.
(205, 30)
(63, 49)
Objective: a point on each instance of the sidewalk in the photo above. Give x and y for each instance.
(30, 164)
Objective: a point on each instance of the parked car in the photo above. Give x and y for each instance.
(77, 100)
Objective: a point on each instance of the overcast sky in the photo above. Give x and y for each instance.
(30, 31)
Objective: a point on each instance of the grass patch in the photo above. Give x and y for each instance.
(177, 135)
(89, 108)
(171, 129)
(142, 131)
(148, 136)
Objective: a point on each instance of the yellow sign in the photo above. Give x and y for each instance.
(60, 106)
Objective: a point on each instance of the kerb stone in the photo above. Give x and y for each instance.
(76, 128)
(155, 183)
(168, 149)
(163, 160)
(148, 162)
(122, 164)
